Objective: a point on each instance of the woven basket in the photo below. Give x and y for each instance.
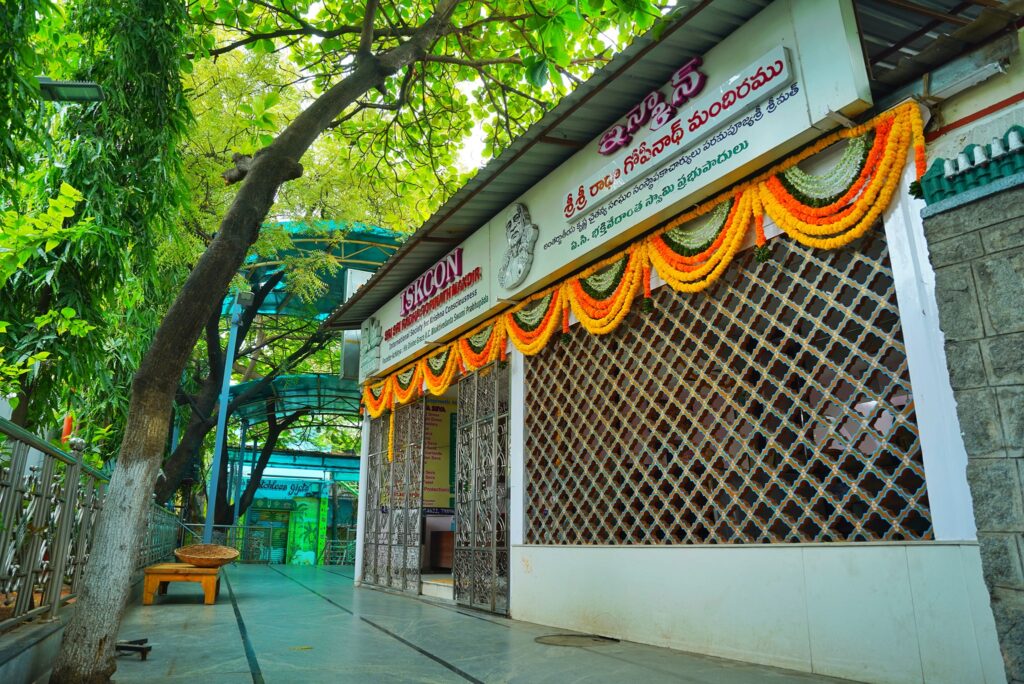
(206, 555)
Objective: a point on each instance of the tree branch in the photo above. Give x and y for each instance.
(366, 35)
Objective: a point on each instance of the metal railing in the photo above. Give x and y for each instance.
(50, 501)
(254, 543)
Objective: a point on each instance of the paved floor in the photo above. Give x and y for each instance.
(303, 624)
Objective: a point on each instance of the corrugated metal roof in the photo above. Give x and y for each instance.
(901, 40)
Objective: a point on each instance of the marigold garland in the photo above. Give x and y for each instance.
(531, 324)
(851, 222)
(600, 315)
(439, 369)
(407, 383)
(377, 397)
(483, 345)
(685, 274)
(391, 437)
(687, 260)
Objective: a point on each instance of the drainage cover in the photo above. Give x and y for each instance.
(577, 640)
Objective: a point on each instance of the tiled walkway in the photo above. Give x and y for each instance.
(282, 624)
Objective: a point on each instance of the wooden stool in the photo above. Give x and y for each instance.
(160, 575)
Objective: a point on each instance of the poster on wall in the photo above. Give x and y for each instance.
(304, 532)
(439, 456)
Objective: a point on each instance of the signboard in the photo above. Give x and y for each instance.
(287, 489)
(450, 293)
(764, 91)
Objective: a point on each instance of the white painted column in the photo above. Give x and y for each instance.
(942, 444)
(516, 446)
(364, 450)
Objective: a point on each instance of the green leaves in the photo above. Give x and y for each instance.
(536, 70)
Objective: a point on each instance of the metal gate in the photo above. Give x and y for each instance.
(480, 566)
(391, 547)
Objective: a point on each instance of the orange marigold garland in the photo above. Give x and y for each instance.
(917, 129)
(850, 222)
(439, 369)
(483, 345)
(690, 260)
(531, 324)
(377, 397)
(407, 383)
(693, 273)
(601, 296)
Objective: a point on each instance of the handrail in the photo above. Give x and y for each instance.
(22, 435)
(50, 503)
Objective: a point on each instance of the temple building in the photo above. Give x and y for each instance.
(724, 354)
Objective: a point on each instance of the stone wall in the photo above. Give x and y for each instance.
(977, 251)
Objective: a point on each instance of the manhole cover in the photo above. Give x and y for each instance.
(577, 640)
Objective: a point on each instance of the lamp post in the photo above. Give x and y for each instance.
(242, 300)
(69, 91)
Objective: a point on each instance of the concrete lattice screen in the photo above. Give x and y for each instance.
(774, 407)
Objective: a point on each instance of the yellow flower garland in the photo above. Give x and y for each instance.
(755, 200)
(600, 320)
(438, 384)
(376, 405)
(707, 273)
(531, 342)
(412, 390)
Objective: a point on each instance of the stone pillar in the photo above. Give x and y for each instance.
(977, 251)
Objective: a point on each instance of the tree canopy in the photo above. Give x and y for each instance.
(399, 85)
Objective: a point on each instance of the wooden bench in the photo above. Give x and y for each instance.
(160, 575)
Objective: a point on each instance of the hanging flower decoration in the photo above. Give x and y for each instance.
(674, 250)
(391, 438)
(377, 397)
(439, 369)
(851, 215)
(531, 324)
(602, 295)
(483, 345)
(826, 210)
(408, 383)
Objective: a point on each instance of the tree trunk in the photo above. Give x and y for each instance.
(86, 656)
(87, 650)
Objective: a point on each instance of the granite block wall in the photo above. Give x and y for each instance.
(977, 251)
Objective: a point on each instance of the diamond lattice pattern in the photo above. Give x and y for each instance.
(774, 407)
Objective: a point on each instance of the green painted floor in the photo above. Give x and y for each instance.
(282, 624)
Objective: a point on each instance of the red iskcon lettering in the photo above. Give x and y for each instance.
(427, 285)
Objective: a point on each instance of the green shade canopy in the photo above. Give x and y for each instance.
(320, 393)
(359, 250)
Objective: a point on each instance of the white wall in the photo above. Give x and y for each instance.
(870, 612)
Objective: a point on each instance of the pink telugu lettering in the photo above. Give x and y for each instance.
(654, 110)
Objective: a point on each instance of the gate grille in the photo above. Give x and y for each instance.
(774, 407)
(391, 550)
(480, 564)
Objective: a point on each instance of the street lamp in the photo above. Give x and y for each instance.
(242, 300)
(69, 91)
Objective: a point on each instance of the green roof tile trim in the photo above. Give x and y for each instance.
(975, 166)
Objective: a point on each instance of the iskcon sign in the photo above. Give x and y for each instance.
(762, 92)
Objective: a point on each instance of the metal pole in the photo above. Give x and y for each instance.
(241, 462)
(222, 420)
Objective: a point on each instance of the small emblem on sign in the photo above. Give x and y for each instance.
(521, 234)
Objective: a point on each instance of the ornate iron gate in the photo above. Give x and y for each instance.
(480, 565)
(391, 547)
